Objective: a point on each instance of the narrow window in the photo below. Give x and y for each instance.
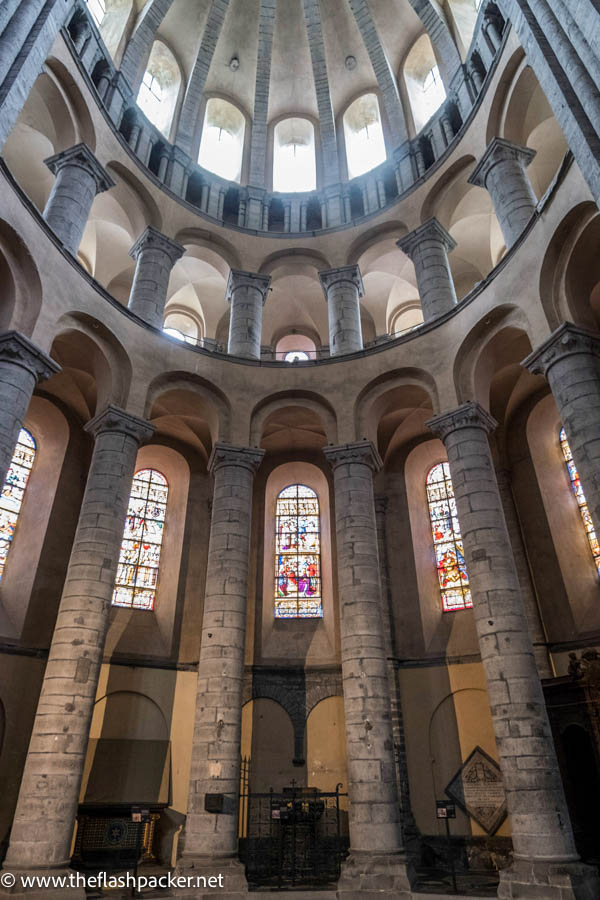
(298, 554)
(139, 560)
(588, 525)
(363, 133)
(159, 90)
(14, 491)
(294, 161)
(424, 84)
(222, 143)
(447, 540)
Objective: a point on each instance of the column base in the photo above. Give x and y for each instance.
(73, 884)
(208, 876)
(528, 879)
(368, 876)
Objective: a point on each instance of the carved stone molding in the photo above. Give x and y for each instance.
(498, 151)
(567, 340)
(17, 349)
(359, 452)
(117, 420)
(239, 278)
(151, 238)
(432, 230)
(469, 415)
(81, 155)
(350, 274)
(229, 455)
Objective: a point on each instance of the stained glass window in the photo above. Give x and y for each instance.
(13, 492)
(298, 554)
(580, 497)
(447, 540)
(139, 560)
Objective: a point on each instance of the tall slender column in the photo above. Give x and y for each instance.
(79, 177)
(155, 255)
(407, 818)
(139, 45)
(381, 67)
(22, 365)
(532, 610)
(188, 132)
(343, 288)
(211, 839)
(376, 862)
(545, 857)
(47, 806)
(570, 361)
(258, 138)
(501, 171)
(428, 247)
(246, 294)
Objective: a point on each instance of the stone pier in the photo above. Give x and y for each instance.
(343, 289)
(246, 294)
(155, 256)
(428, 247)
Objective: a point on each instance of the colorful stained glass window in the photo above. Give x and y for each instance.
(137, 573)
(13, 492)
(298, 554)
(447, 540)
(580, 497)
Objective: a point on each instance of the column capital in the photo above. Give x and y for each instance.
(229, 455)
(19, 350)
(238, 278)
(121, 422)
(430, 230)
(155, 240)
(81, 155)
(358, 452)
(499, 150)
(468, 415)
(351, 274)
(567, 340)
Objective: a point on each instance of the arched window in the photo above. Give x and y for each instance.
(447, 540)
(298, 554)
(222, 143)
(182, 327)
(295, 347)
(139, 560)
(294, 161)
(580, 497)
(13, 491)
(363, 133)
(423, 81)
(159, 90)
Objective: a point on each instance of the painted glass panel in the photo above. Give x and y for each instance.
(13, 492)
(447, 540)
(298, 554)
(580, 497)
(139, 560)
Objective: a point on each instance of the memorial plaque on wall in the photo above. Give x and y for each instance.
(478, 789)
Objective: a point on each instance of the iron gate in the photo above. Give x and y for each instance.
(293, 837)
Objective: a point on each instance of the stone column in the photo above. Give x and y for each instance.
(343, 289)
(570, 360)
(79, 177)
(211, 839)
(376, 862)
(428, 247)
(246, 294)
(546, 862)
(407, 818)
(47, 806)
(155, 256)
(22, 365)
(501, 171)
(532, 610)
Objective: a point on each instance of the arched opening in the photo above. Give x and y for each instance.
(295, 348)
(294, 159)
(181, 327)
(222, 143)
(447, 540)
(159, 90)
(363, 133)
(424, 84)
